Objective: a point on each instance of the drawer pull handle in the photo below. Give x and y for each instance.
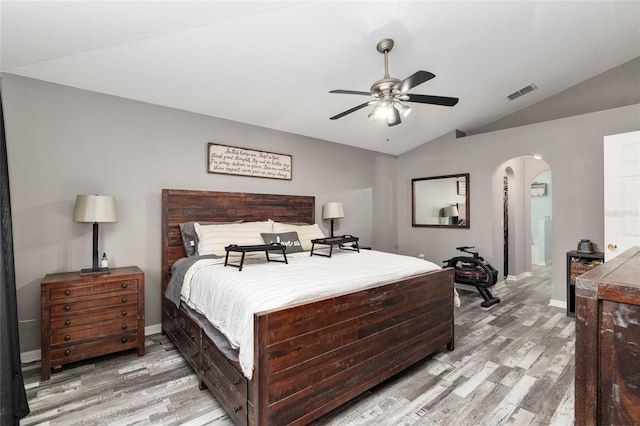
(67, 338)
(67, 323)
(67, 352)
(124, 313)
(236, 382)
(236, 409)
(124, 340)
(67, 292)
(124, 326)
(124, 300)
(124, 285)
(67, 308)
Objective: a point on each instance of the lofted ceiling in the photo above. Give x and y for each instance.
(272, 64)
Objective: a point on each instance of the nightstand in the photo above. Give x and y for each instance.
(84, 316)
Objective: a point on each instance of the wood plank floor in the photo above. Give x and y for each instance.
(513, 365)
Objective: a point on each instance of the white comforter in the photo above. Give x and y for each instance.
(229, 298)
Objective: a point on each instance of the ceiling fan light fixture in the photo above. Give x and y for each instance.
(382, 111)
(403, 109)
(374, 112)
(389, 93)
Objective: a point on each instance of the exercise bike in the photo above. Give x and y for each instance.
(474, 270)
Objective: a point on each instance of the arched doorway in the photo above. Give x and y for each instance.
(513, 181)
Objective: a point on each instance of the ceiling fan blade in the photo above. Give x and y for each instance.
(351, 92)
(430, 99)
(349, 111)
(396, 118)
(413, 80)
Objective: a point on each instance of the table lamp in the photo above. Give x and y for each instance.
(332, 210)
(95, 209)
(452, 212)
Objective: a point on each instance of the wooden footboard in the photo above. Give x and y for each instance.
(313, 357)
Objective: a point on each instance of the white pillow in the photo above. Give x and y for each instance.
(306, 233)
(212, 239)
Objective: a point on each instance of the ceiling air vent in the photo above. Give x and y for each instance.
(526, 89)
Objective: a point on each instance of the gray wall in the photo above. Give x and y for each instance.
(63, 142)
(619, 86)
(573, 149)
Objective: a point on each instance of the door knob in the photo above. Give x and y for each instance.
(612, 246)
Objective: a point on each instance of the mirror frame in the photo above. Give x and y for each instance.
(467, 204)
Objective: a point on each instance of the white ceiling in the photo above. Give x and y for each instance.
(272, 64)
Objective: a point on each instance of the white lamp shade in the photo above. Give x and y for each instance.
(332, 210)
(95, 208)
(451, 211)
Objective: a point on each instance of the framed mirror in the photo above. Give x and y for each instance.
(440, 201)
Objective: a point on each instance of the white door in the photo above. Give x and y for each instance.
(621, 193)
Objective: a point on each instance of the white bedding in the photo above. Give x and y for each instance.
(229, 298)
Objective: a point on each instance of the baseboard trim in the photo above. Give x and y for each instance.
(558, 303)
(152, 329)
(31, 356)
(36, 355)
(519, 276)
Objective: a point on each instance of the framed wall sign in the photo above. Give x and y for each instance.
(232, 160)
(538, 189)
(462, 187)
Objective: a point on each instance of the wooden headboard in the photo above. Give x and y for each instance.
(180, 206)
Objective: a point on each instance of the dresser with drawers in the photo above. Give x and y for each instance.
(607, 353)
(84, 316)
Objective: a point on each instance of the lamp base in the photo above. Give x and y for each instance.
(98, 271)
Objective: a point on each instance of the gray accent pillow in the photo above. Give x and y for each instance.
(288, 239)
(190, 237)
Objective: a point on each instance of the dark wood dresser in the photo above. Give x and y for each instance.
(607, 382)
(84, 316)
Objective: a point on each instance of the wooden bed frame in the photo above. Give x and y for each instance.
(309, 358)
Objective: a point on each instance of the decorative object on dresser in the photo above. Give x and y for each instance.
(309, 357)
(585, 246)
(332, 210)
(95, 209)
(84, 316)
(577, 264)
(607, 379)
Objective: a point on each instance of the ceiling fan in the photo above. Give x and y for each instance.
(389, 93)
